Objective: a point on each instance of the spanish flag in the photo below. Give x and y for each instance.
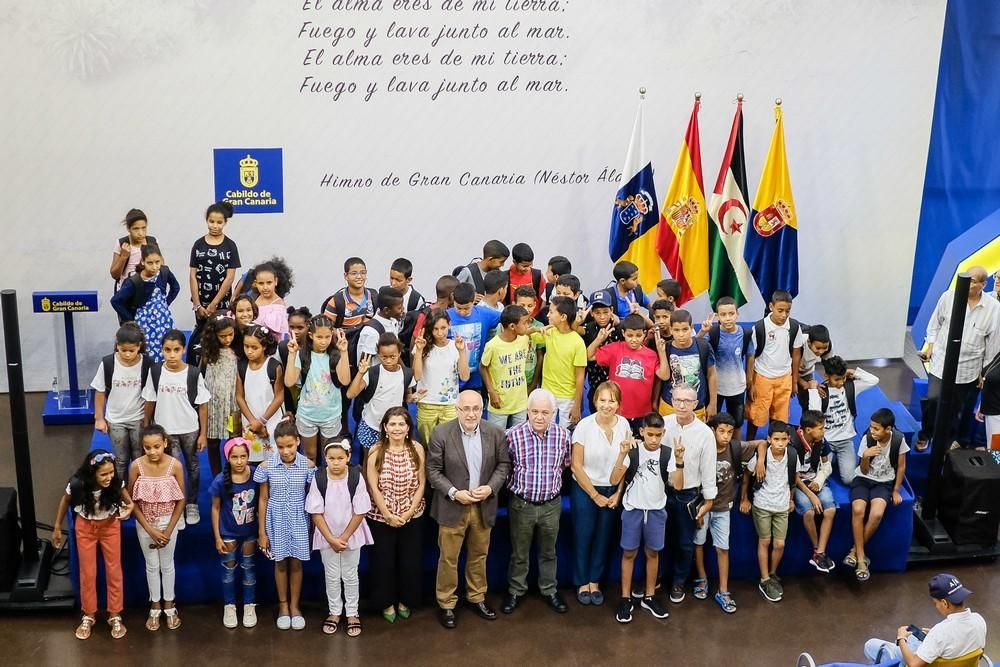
(682, 242)
(771, 248)
(633, 216)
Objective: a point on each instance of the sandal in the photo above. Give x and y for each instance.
(117, 627)
(83, 630)
(861, 573)
(153, 622)
(331, 624)
(173, 618)
(851, 559)
(725, 600)
(353, 626)
(701, 589)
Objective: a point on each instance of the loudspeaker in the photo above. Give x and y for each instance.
(970, 497)
(10, 539)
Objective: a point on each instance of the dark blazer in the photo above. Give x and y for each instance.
(448, 467)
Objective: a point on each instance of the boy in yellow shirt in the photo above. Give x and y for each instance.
(565, 361)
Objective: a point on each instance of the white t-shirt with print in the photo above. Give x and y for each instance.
(124, 404)
(880, 468)
(774, 494)
(648, 490)
(774, 361)
(440, 375)
(173, 411)
(389, 393)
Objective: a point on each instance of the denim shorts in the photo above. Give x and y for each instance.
(308, 428)
(718, 524)
(802, 504)
(644, 527)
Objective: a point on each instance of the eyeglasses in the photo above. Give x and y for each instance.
(685, 401)
(101, 457)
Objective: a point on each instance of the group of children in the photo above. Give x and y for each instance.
(257, 380)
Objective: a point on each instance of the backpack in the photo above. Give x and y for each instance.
(368, 393)
(412, 300)
(715, 333)
(895, 440)
(352, 333)
(536, 283)
(477, 275)
(352, 343)
(242, 365)
(320, 480)
(412, 323)
(794, 326)
(702, 346)
(138, 298)
(814, 453)
(849, 394)
(633, 465)
(109, 368)
(192, 381)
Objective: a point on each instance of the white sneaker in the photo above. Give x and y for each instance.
(249, 615)
(191, 514)
(229, 616)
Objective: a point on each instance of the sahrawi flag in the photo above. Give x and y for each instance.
(633, 216)
(772, 248)
(730, 211)
(683, 235)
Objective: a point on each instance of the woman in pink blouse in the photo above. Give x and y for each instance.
(395, 471)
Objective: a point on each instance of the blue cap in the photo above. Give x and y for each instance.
(948, 587)
(600, 298)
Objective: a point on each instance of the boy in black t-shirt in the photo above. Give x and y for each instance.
(588, 327)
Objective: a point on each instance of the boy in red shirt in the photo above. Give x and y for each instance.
(632, 365)
(522, 273)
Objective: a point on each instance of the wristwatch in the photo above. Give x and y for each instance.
(900, 639)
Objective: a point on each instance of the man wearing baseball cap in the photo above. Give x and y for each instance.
(961, 632)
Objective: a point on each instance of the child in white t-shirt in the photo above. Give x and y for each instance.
(177, 399)
(778, 341)
(440, 364)
(118, 403)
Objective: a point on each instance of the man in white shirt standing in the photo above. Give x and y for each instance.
(980, 343)
(960, 633)
(694, 443)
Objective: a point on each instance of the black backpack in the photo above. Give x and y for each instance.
(702, 346)
(800, 449)
(192, 381)
(352, 333)
(108, 363)
(794, 326)
(150, 240)
(849, 394)
(895, 440)
(242, 365)
(138, 299)
(793, 469)
(408, 329)
(536, 283)
(715, 333)
(320, 480)
(477, 275)
(352, 346)
(633, 465)
(368, 393)
(413, 300)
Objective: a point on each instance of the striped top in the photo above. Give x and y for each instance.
(156, 496)
(397, 482)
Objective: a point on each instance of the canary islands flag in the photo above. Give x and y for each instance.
(633, 216)
(771, 248)
(683, 236)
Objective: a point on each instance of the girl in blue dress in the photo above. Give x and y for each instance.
(145, 297)
(284, 525)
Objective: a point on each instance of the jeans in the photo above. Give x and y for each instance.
(159, 562)
(734, 405)
(592, 534)
(188, 444)
(507, 421)
(228, 561)
(879, 650)
(126, 445)
(525, 521)
(960, 421)
(342, 567)
(684, 530)
(847, 459)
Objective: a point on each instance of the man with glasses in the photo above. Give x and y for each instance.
(694, 450)
(467, 464)
(980, 343)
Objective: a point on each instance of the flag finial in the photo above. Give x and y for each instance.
(778, 101)
(739, 97)
(642, 92)
(697, 96)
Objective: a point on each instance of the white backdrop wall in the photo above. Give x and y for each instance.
(110, 104)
